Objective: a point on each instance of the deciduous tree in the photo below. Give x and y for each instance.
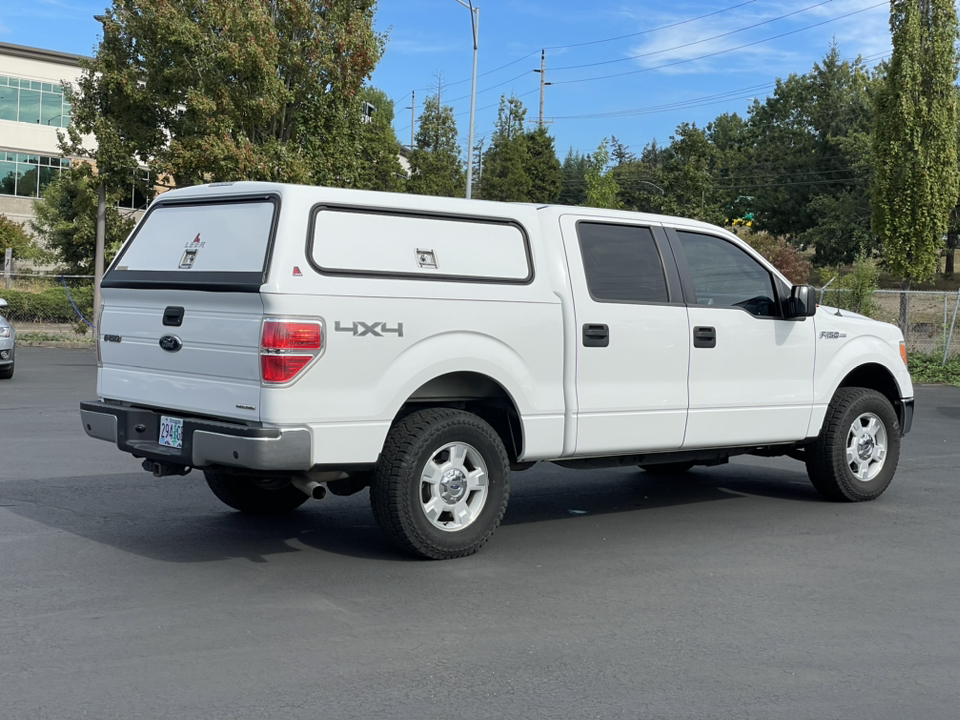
(66, 220)
(915, 144)
(223, 90)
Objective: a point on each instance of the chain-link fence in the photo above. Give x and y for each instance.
(60, 307)
(49, 307)
(931, 324)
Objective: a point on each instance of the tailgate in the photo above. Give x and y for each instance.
(181, 317)
(211, 365)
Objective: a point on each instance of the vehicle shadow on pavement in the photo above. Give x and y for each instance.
(177, 520)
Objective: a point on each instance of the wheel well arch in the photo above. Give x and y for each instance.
(875, 377)
(476, 393)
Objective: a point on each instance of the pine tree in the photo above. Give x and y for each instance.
(546, 175)
(506, 163)
(435, 164)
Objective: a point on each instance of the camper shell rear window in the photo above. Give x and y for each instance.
(215, 244)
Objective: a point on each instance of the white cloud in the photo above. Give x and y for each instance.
(682, 48)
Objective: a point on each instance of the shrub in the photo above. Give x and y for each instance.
(854, 291)
(47, 306)
(782, 255)
(928, 368)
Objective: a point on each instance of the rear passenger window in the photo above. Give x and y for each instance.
(725, 276)
(622, 263)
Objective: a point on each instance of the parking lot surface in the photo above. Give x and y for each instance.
(733, 592)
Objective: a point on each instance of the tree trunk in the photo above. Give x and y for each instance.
(952, 237)
(905, 307)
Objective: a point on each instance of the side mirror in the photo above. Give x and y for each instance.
(802, 301)
(3, 303)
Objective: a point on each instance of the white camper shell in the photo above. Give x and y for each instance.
(290, 340)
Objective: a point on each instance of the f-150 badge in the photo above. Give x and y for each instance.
(831, 335)
(362, 329)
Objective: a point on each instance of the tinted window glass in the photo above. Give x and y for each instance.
(726, 276)
(622, 263)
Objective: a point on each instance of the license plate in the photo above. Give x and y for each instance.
(171, 431)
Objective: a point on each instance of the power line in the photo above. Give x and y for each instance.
(721, 52)
(651, 30)
(695, 42)
(604, 40)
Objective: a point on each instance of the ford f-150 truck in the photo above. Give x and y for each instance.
(288, 341)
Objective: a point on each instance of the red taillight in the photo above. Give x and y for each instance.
(281, 335)
(287, 347)
(282, 368)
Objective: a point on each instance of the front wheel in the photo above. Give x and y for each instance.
(858, 449)
(253, 495)
(441, 485)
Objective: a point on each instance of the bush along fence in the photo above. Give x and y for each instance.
(50, 307)
(57, 307)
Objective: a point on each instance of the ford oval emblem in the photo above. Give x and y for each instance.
(171, 343)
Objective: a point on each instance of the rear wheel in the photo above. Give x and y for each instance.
(858, 449)
(253, 495)
(6, 372)
(441, 486)
(665, 469)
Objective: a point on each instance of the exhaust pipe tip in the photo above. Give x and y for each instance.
(308, 487)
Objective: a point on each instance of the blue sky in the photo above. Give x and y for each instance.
(669, 67)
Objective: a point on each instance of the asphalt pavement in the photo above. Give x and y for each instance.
(733, 592)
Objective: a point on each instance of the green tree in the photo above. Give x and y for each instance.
(916, 178)
(506, 162)
(574, 174)
(379, 167)
(602, 188)
(13, 236)
(66, 220)
(543, 167)
(435, 164)
(688, 177)
(228, 90)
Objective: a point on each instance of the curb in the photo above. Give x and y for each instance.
(57, 344)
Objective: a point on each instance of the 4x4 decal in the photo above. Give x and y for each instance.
(361, 329)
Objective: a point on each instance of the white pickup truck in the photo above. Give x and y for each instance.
(291, 340)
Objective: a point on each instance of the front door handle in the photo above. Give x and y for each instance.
(596, 335)
(704, 337)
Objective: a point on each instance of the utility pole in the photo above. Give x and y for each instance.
(480, 159)
(99, 249)
(543, 81)
(475, 24)
(413, 115)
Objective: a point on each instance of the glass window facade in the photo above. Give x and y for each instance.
(33, 102)
(134, 199)
(28, 175)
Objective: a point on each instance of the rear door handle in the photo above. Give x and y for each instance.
(596, 335)
(704, 337)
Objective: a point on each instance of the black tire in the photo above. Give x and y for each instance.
(668, 469)
(827, 463)
(252, 496)
(6, 372)
(399, 494)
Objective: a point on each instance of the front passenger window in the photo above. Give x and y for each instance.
(726, 276)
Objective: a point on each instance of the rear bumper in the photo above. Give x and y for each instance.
(906, 415)
(205, 442)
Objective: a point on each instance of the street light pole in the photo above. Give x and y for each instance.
(475, 24)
